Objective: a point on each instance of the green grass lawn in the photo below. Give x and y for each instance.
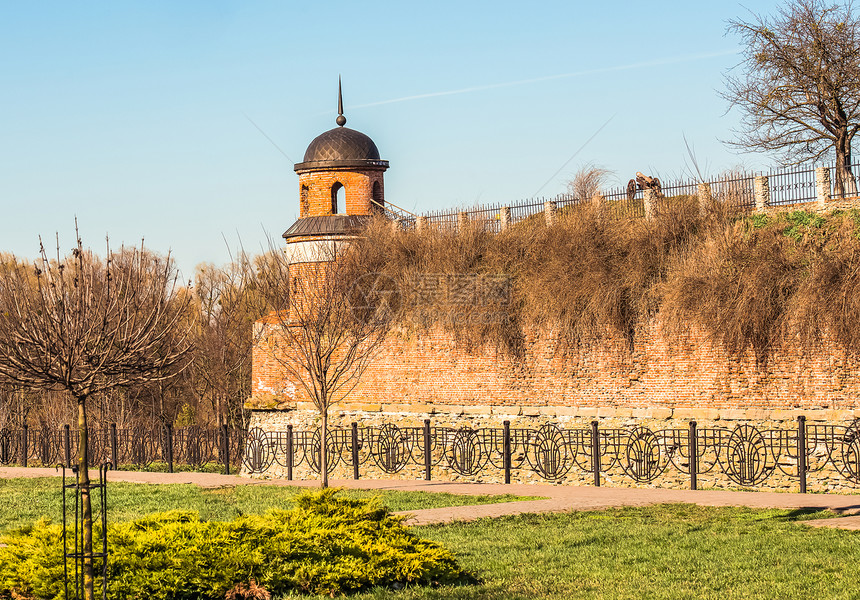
(661, 552)
(23, 501)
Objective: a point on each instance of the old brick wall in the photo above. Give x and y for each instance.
(358, 187)
(662, 384)
(421, 371)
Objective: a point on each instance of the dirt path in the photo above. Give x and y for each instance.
(558, 498)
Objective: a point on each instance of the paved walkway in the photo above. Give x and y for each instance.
(558, 498)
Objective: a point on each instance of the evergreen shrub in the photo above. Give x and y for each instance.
(327, 544)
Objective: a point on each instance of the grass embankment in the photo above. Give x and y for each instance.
(23, 501)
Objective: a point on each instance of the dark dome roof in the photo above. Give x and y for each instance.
(341, 147)
(341, 143)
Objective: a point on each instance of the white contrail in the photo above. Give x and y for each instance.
(640, 65)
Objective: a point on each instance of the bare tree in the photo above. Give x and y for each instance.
(799, 90)
(87, 325)
(228, 303)
(329, 319)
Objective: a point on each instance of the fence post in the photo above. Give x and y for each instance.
(114, 459)
(761, 187)
(705, 197)
(24, 450)
(427, 457)
(801, 452)
(354, 450)
(421, 223)
(505, 217)
(549, 212)
(462, 220)
(67, 444)
(595, 452)
(822, 186)
(225, 434)
(693, 449)
(506, 449)
(649, 201)
(169, 427)
(290, 452)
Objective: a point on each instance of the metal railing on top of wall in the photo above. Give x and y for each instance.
(779, 187)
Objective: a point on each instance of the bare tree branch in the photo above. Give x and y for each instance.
(88, 325)
(799, 86)
(327, 324)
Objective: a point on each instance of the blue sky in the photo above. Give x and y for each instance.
(136, 117)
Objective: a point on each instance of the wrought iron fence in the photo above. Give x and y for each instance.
(737, 193)
(850, 191)
(745, 455)
(787, 187)
(444, 220)
(138, 448)
(489, 218)
(622, 204)
(680, 188)
(523, 210)
(791, 187)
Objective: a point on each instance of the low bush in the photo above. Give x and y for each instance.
(327, 544)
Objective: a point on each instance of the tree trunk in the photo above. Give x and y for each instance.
(86, 504)
(844, 184)
(324, 450)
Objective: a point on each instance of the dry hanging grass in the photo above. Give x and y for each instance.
(750, 282)
(738, 286)
(445, 280)
(828, 299)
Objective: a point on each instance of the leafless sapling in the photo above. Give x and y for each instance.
(86, 324)
(328, 321)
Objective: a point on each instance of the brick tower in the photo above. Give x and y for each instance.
(340, 184)
(340, 189)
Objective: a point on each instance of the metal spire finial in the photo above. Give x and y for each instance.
(341, 120)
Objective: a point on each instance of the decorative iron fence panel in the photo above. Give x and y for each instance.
(849, 191)
(745, 455)
(736, 193)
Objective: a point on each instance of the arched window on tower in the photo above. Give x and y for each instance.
(337, 195)
(304, 203)
(377, 206)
